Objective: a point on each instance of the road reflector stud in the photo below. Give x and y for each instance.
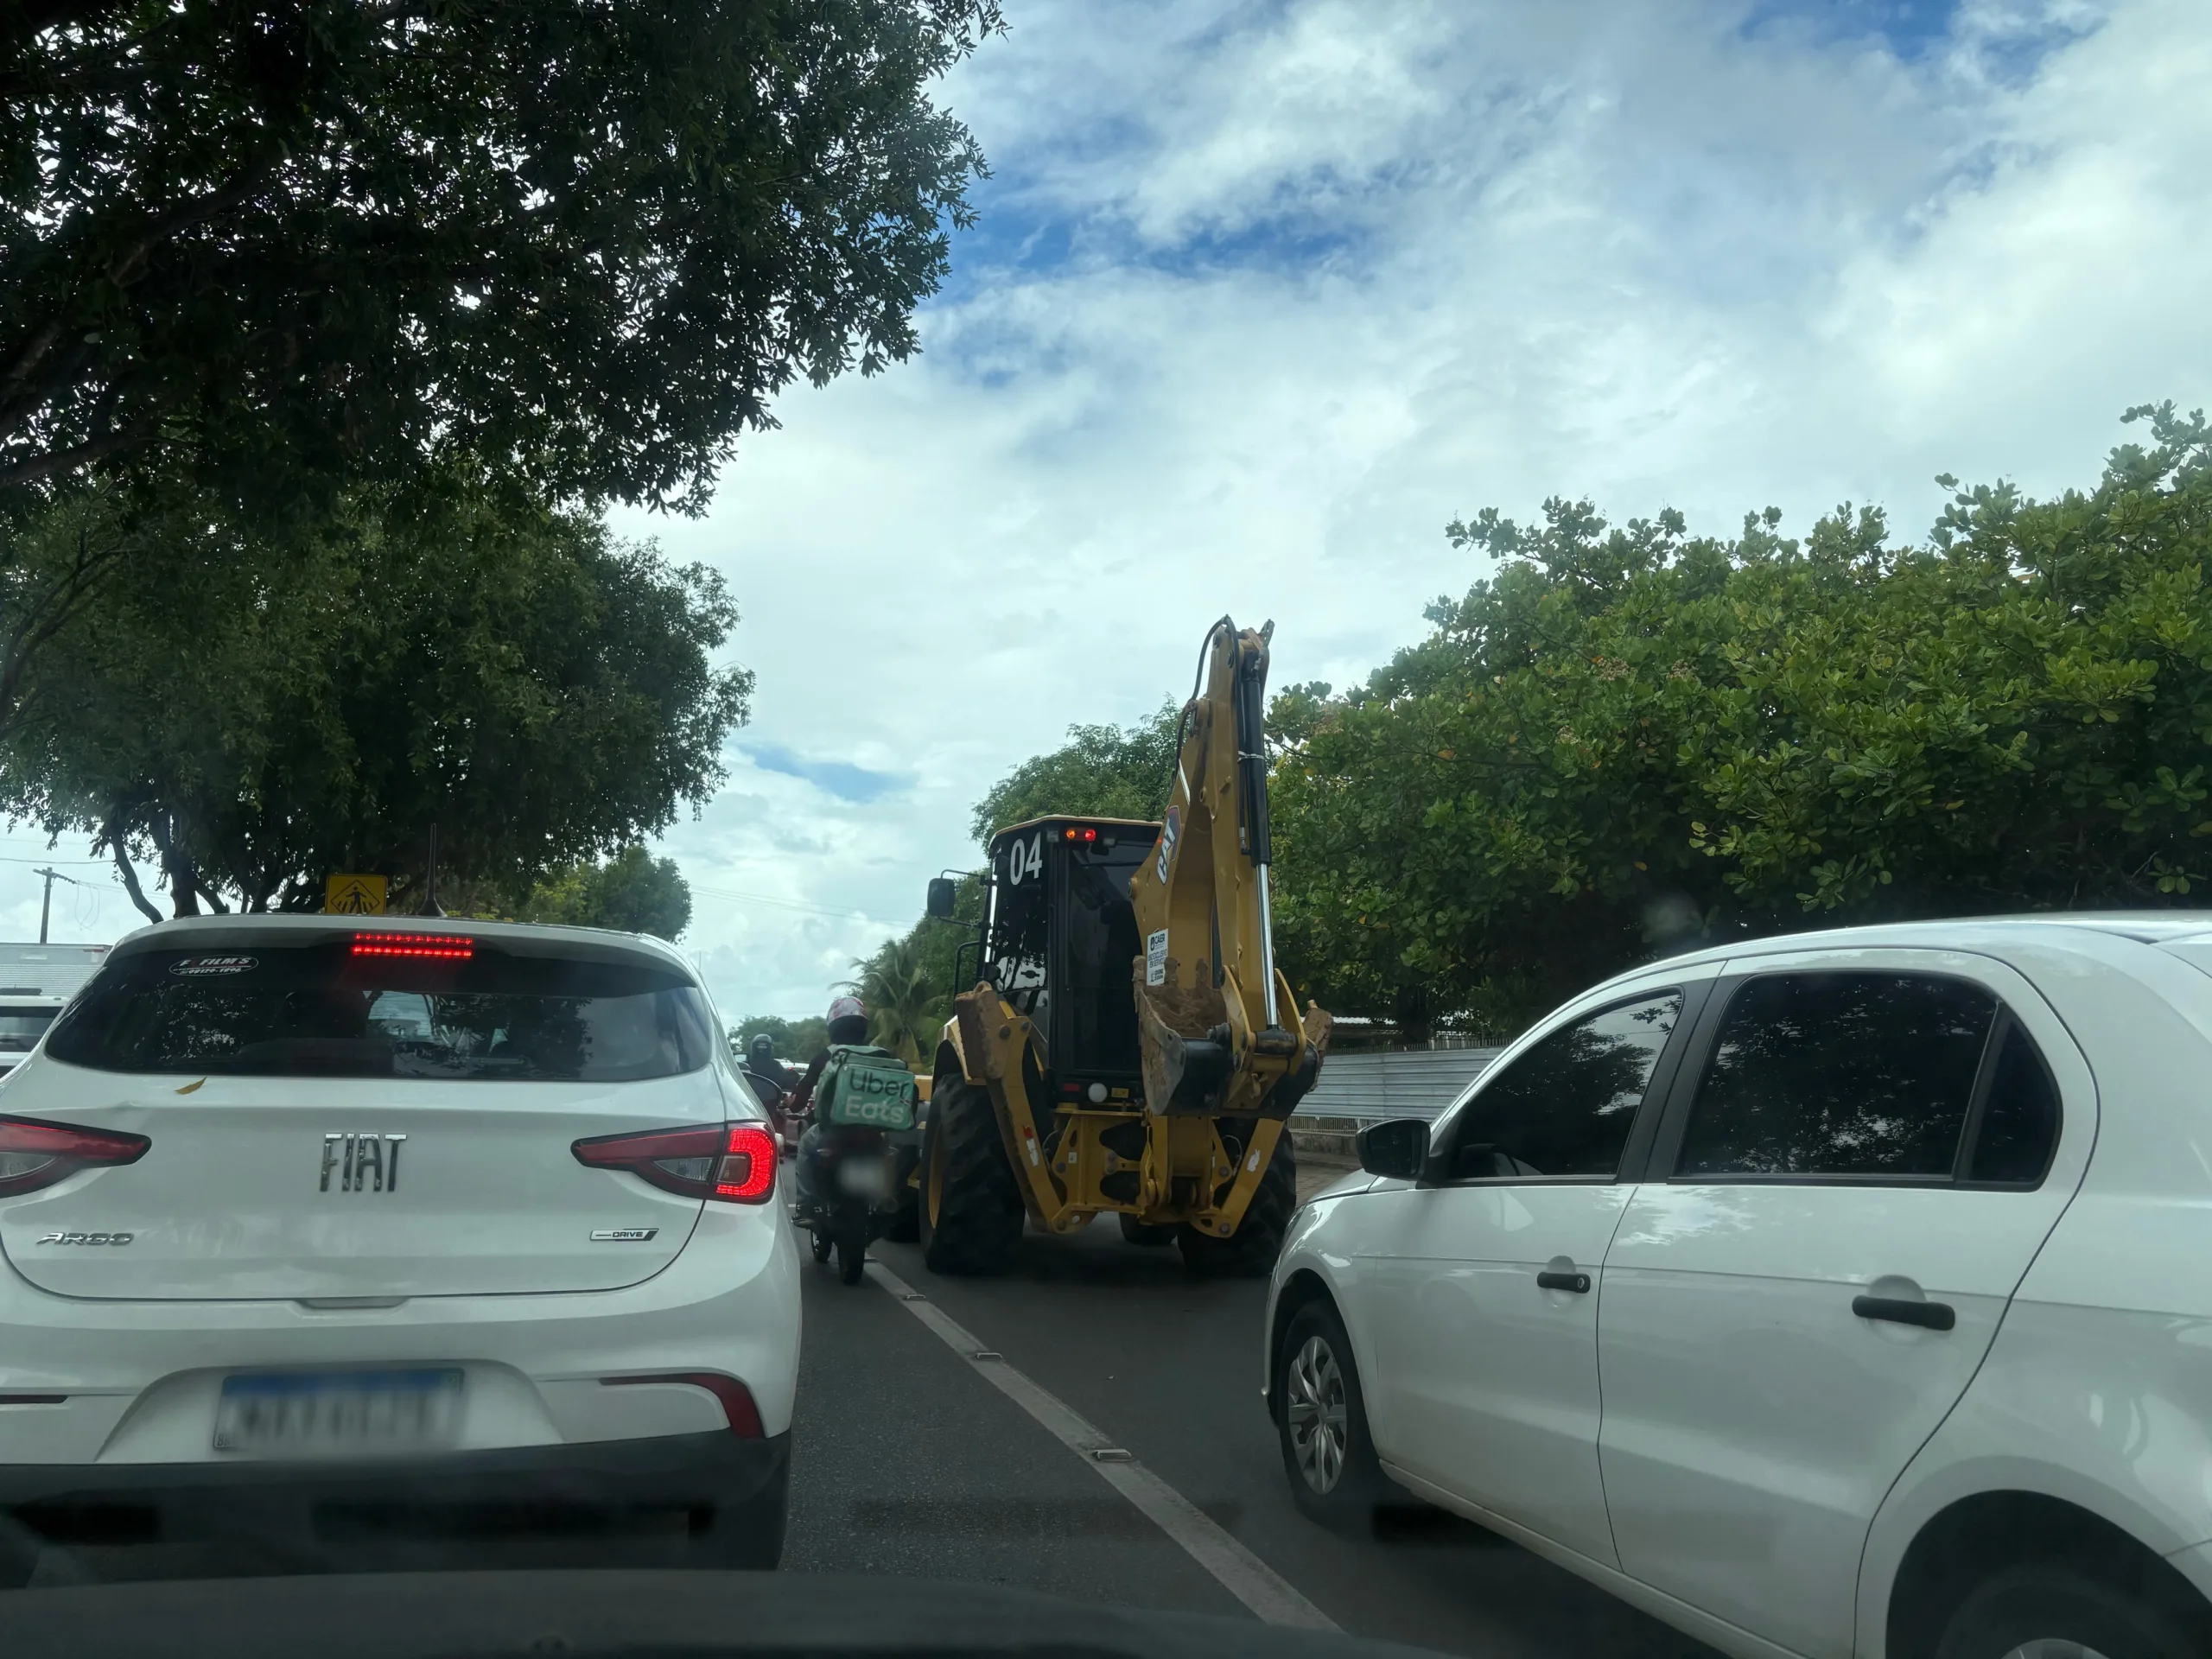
(986, 1353)
(1110, 1454)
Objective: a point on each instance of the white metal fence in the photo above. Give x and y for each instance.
(1410, 1082)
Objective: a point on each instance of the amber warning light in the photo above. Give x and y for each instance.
(441, 947)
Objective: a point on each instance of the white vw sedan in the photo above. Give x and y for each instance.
(1848, 1293)
(337, 1244)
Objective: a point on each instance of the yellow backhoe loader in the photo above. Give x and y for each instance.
(1128, 1045)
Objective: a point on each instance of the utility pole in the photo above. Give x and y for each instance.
(46, 904)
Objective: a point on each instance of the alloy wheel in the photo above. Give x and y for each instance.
(1320, 1423)
(2054, 1647)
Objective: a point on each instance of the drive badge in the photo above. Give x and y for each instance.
(624, 1235)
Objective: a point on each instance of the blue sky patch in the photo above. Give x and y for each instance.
(1912, 28)
(840, 777)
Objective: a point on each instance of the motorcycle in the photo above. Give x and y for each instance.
(850, 1173)
(853, 1176)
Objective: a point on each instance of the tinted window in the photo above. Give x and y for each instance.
(2019, 1117)
(1839, 1074)
(317, 1010)
(1565, 1107)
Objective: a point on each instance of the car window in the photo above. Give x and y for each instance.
(1565, 1107)
(319, 1010)
(2019, 1129)
(1839, 1074)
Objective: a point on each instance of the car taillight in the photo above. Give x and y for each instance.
(35, 1154)
(737, 1409)
(734, 1162)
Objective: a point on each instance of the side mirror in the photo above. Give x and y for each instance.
(939, 907)
(1398, 1148)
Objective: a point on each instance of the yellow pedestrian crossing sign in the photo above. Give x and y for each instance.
(353, 895)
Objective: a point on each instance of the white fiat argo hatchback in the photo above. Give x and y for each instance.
(390, 1244)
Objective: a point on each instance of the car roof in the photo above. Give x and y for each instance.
(2146, 926)
(216, 931)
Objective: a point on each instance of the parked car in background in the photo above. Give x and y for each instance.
(1892, 1250)
(36, 981)
(335, 1243)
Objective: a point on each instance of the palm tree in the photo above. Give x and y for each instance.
(903, 1012)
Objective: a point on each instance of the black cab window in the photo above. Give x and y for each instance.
(1566, 1106)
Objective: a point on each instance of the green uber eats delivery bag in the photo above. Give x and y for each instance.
(869, 1087)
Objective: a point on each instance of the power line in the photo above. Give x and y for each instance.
(790, 903)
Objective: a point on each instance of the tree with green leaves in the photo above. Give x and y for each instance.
(1630, 739)
(796, 1041)
(906, 1009)
(578, 243)
(632, 892)
(257, 717)
(1106, 772)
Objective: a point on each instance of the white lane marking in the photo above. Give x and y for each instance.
(1243, 1574)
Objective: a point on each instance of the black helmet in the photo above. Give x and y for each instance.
(762, 1048)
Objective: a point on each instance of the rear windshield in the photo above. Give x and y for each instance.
(319, 1010)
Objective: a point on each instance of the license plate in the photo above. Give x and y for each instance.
(309, 1414)
(868, 1178)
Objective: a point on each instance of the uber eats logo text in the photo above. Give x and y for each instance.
(879, 1095)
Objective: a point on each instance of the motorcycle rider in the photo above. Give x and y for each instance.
(847, 1024)
(760, 1060)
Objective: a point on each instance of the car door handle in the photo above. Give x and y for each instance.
(1577, 1282)
(1933, 1315)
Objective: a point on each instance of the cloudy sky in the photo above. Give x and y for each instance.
(1264, 294)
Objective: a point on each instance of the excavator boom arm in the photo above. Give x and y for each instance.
(1220, 1036)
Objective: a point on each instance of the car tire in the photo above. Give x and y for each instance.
(1321, 1424)
(2045, 1609)
(970, 1211)
(1251, 1250)
(1137, 1232)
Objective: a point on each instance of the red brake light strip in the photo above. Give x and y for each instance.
(442, 946)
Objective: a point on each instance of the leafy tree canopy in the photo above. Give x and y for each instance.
(1109, 771)
(906, 1008)
(632, 892)
(1630, 739)
(587, 241)
(257, 717)
(796, 1041)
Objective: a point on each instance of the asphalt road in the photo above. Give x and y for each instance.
(906, 1460)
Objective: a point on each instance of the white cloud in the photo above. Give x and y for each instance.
(1265, 293)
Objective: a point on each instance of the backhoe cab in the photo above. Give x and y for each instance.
(1128, 1045)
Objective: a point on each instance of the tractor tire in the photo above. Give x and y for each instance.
(970, 1210)
(1138, 1232)
(1250, 1251)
